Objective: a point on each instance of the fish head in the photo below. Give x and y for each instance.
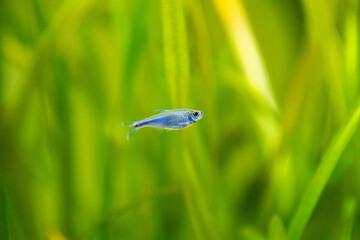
(195, 115)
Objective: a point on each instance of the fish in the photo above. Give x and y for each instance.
(171, 119)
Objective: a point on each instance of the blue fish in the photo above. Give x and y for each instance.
(172, 119)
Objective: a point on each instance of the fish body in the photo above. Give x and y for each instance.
(166, 119)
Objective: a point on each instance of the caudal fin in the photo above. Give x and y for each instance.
(133, 128)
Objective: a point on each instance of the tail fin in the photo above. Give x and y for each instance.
(133, 128)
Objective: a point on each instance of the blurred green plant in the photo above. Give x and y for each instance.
(275, 156)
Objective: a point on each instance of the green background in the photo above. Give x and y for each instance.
(276, 155)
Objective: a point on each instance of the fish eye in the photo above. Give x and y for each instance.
(196, 113)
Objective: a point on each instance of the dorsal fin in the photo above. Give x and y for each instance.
(160, 110)
(173, 110)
